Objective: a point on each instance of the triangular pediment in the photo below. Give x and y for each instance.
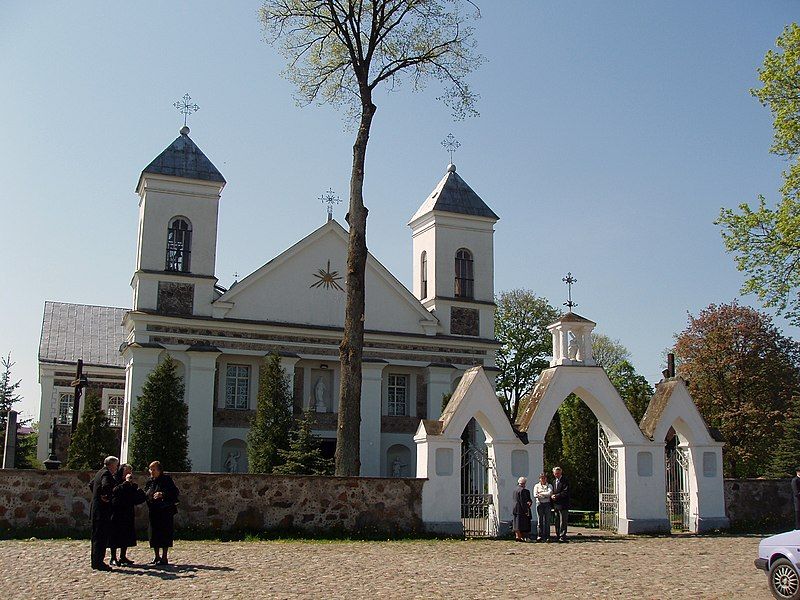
(305, 285)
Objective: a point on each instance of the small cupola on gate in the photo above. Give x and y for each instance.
(572, 341)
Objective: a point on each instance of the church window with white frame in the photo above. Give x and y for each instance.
(465, 281)
(237, 386)
(397, 395)
(65, 400)
(116, 404)
(179, 245)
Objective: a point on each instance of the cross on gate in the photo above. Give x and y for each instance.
(569, 280)
(451, 144)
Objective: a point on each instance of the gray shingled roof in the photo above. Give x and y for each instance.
(453, 195)
(73, 331)
(182, 158)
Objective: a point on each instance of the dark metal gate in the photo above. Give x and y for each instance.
(608, 482)
(677, 472)
(477, 505)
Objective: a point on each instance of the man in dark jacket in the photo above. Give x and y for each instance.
(560, 500)
(102, 487)
(796, 497)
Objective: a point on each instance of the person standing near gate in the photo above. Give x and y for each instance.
(796, 497)
(560, 500)
(522, 511)
(542, 492)
(102, 487)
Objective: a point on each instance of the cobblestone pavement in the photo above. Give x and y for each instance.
(592, 566)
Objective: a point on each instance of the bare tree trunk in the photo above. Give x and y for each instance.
(348, 444)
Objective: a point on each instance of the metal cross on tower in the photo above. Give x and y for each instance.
(330, 198)
(186, 107)
(569, 280)
(451, 144)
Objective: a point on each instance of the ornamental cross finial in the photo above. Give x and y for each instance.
(569, 280)
(451, 144)
(330, 198)
(186, 107)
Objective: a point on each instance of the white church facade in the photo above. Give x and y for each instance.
(418, 340)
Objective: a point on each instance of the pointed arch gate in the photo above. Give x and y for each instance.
(608, 482)
(477, 503)
(677, 472)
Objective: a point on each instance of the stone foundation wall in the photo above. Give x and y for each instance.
(753, 501)
(58, 502)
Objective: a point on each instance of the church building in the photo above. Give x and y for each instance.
(418, 340)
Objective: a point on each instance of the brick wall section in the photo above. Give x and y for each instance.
(759, 500)
(58, 501)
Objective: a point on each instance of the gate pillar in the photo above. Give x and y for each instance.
(707, 497)
(642, 488)
(439, 461)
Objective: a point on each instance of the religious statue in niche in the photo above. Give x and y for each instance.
(232, 462)
(572, 347)
(319, 395)
(397, 467)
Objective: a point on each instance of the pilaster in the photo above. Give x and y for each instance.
(199, 398)
(371, 388)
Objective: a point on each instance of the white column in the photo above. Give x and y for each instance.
(707, 494)
(371, 388)
(45, 416)
(439, 383)
(641, 494)
(287, 364)
(439, 461)
(199, 397)
(139, 362)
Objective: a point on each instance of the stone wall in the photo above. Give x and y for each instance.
(753, 501)
(58, 502)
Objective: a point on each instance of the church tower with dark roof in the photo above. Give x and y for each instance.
(453, 254)
(179, 194)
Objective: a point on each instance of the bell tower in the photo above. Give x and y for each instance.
(179, 194)
(453, 257)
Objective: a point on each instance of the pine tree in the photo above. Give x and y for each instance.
(786, 456)
(160, 421)
(25, 454)
(303, 456)
(269, 430)
(93, 439)
(8, 397)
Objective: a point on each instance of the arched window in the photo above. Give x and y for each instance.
(423, 270)
(464, 277)
(115, 405)
(65, 400)
(179, 244)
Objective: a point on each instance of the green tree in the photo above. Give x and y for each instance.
(340, 53)
(25, 454)
(160, 421)
(303, 456)
(520, 325)
(786, 455)
(608, 352)
(93, 439)
(579, 450)
(765, 242)
(634, 389)
(742, 374)
(269, 430)
(8, 397)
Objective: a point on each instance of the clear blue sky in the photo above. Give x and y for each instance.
(610, 135)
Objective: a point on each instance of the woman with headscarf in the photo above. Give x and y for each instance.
(162, 502)
(125, 497)
(522, 511)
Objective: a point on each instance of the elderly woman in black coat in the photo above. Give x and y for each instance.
(522, 511)
(162, 500)
(124, 498)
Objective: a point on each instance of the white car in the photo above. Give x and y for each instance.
(779, 556)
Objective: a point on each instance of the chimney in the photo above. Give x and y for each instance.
(670, 365)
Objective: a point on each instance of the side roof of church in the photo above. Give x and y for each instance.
(73, 331)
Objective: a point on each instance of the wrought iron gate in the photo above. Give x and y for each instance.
(608, 482)
(677, 470)
(477, 505)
